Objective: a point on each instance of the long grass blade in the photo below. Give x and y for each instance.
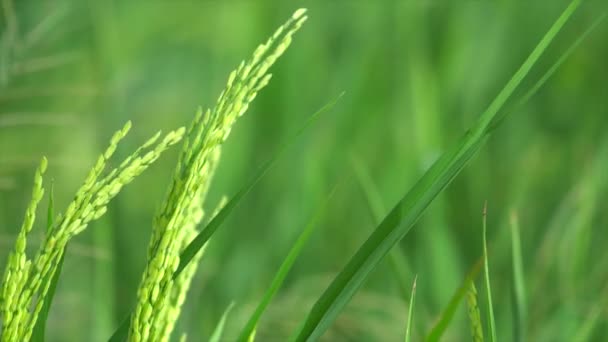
(216, 336)
(486, 276)
(402, 217)
(398, 262)
(410, 313)
(519, 290)
(547, 75)
(250, 328)
(448, 313)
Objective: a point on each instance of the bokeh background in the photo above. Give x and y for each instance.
(416, 74)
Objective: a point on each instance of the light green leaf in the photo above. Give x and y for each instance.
(410, 313)
(448, 313)
(486, 276)
(249, 329)
(219, 329)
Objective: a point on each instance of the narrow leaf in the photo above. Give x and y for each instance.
(219, 329)
(547, 75)
(398, 262)
(448, 313)
(410, 313)
(519, 290)
(592, 319)
(279, 278)
(486, 276)
(403, 216)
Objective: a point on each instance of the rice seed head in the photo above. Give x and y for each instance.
(27, 282)
(181, 210)
(473, 313)
(17, 269)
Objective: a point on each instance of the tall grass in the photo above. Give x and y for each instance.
(402, 217)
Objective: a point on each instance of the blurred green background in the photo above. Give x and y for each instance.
(416, 75)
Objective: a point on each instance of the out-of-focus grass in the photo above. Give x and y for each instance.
(415, 74)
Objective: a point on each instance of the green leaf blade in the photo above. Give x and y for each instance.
(410, 313)
(250, 328)
(486, 276)
(519, 289)
(400, 220)
(216, 336)
(448, 313)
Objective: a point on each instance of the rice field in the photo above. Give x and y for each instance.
(257, 171)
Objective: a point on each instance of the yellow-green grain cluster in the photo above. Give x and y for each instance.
(27, 281)
(159, 295)
(18, 266)
(473, 313)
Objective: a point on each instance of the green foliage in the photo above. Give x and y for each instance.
(486, 278)
(248, 332)
(403, 216)
(410, 313)
(414, 74)
(219, 329)
(448, 313)
(400, 265)
(519, 286)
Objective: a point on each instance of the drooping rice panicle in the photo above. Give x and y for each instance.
(158, 305)
(28, 293)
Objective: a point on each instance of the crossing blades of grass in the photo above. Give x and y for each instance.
(249, 330)
(120, 334)
(202, 238)
(219, 329)
(448, 314)
(399, 263)
(519, 290)
(486, 276)
(407, 211)
(410, 313)
(547, 75)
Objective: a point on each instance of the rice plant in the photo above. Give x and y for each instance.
(27, 280)
(239, 268)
